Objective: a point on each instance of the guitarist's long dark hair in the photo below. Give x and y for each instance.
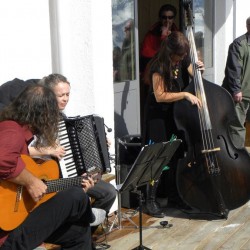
(37, 108)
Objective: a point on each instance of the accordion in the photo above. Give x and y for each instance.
(84, 139)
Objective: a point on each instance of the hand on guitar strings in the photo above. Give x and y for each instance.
(36, 189)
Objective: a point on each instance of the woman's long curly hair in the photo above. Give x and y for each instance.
(37, 108)
(175, 44)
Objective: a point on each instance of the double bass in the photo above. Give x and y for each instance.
(213, 176)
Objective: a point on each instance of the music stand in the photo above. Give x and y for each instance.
(148, 166)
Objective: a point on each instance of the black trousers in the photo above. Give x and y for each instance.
(63, 220)
(104, 195)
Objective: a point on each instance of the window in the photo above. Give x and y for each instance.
(123, 16)
(203, 32)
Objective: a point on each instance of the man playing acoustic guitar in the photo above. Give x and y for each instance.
(65, 217)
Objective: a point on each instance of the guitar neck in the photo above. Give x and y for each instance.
(64, 183)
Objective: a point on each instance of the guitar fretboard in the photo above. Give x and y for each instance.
(63, 183)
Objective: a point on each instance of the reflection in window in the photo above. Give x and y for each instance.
(123, 40)
(203, 13)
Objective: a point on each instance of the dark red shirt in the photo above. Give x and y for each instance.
(14, 142)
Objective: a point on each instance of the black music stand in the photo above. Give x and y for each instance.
(148, 166)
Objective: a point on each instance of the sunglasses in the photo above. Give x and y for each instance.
(167, 17)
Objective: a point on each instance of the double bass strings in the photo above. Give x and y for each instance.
(204, 117)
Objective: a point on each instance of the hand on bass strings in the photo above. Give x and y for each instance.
(193, 99)
(200, 66)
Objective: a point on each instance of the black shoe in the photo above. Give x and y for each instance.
(152, 208)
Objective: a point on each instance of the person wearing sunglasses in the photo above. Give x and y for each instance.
(152, 42)
(158, 32)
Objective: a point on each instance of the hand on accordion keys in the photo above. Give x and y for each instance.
(57, 151)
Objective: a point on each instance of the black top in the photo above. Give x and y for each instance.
(11, 89)
(177, 85)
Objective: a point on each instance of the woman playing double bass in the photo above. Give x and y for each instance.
(166, 75)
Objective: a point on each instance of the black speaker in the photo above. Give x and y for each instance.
(129, 148)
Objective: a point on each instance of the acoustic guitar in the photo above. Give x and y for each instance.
(16, 203)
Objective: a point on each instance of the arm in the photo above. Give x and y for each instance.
(57, 152)
(13, 144)
(234, 68)
(162, 95)
(34, 185)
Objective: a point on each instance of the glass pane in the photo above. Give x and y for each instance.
(123, 16)
(203, 13)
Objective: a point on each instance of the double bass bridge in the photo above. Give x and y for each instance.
(206, 151)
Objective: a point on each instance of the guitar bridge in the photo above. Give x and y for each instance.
(18, 197)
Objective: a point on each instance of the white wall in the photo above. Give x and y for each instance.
(223, 36)
(230, 22)
(71, 37)
(25, 39)
(241, 14)
(82, 51)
